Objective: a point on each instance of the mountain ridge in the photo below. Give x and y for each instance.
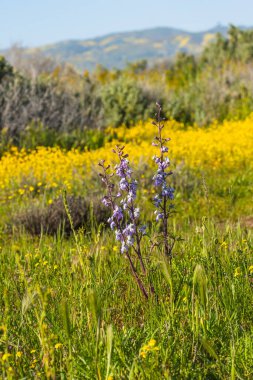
(116, 50)
(215, 29)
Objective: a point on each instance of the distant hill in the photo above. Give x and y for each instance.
(116, 50)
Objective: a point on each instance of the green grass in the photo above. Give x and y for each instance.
(85, 298)
(70, 308)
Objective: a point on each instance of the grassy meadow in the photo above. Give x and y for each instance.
(69, 306)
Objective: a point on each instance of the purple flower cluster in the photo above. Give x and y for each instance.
(123, 170)
(125, 216)
(166, 193)
(160, 181)
(126, 237)
(116, 217)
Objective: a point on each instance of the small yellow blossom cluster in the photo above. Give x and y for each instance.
(39, 261)
(57, 346)
(2, 330)
(6, 360)
(224, 245)
(5, 357)
(147, 348)
(238, 271)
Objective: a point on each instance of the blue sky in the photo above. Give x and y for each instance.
(36, 22)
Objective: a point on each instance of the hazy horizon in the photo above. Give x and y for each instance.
(34, 24)
(22, 45)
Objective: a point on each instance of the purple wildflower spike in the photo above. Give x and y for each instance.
(165, 194)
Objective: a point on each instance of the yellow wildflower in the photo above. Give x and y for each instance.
(152, 343)
(237, 272)
(58, 345)
(6, 356)
(2, 330)
(150, 347)
(143, 354)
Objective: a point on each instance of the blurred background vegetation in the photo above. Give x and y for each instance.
(44, 103)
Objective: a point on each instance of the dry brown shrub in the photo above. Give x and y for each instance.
(53, 218)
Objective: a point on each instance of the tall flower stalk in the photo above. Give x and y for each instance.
(165, 193)
(121, 199)
(125, 219)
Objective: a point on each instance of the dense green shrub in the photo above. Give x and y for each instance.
(6, 70)
(237, 46)
(124, 102)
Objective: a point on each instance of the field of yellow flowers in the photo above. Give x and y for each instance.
(228, 146)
